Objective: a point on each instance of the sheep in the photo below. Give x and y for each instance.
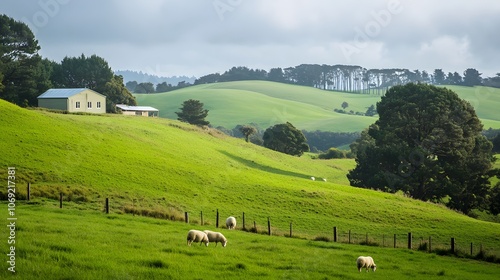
(197, 236)
(231, 222)
(216, 237)
(366, 262)
(312, 178)
(324, 179)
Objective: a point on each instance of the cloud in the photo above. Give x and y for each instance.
(198, 37)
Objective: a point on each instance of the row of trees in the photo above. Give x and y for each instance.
(148, 87)
(349, 78)
(24, 74)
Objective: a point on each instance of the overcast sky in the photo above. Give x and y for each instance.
(199, 37)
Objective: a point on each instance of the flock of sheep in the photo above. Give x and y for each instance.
(207, 236)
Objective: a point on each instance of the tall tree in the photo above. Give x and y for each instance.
(344, 105)
(192, 112)
(472, 77)
(427, 143)
(22, 71)
(438, 76)
(146, 87)
(285, 138)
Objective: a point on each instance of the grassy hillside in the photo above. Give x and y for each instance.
(163, 167)
(268, 103)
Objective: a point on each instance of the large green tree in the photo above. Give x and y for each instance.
(428, 144)
(192, 112)
(472, 77)
(285, 138)
(23, 73)
(247, 130)
(92, 72)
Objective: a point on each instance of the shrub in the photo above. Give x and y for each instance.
(332, 153)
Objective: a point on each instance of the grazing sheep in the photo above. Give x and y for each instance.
(214, 236)
(197, 236)
(312, 178)
(231, 222)
(366, 262)
(324, 179)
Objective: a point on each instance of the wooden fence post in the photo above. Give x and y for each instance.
(28, 192)
(60, 199)
(452, 245)
(290, 229)
(244, 221)
(255, 226)
(201, 216)
(107, 205)
(268, 226)
(217, 219)
(366, 239)
(186, 217)
(349, 236)
(430, 244)
(471, 248)
(383, 240)
(394, 240)
(334, 234)
(409, 241)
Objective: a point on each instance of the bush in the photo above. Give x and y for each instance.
(332, 153)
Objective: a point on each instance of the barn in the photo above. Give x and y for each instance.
(145, 111)
(73, 100)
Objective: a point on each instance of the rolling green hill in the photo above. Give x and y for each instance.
(163, 167)
(268, 103)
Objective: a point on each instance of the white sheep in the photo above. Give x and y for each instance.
(312, 178)
(197, 236)
(366, 262)
(324, 179)
(216, 237)
(231, 222)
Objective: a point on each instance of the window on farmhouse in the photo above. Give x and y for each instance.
(89, 105)
(77, 105)
(98, 105)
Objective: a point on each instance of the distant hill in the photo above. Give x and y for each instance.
(141, 77)
(267, 103)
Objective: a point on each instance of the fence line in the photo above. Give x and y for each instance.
(406, 240)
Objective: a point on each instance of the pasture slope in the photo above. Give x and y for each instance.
(267, 103)
(164, 167)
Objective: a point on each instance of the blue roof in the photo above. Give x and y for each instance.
(62, 92)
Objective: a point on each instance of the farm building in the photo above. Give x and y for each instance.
(73, 100)
(145, 111)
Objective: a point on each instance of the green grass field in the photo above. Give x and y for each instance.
(163, 168)
(268, 103)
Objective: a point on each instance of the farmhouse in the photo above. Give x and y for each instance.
(144, 111)
(73, 100)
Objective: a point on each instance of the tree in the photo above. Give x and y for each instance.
(192, 112)
(117, 93)
(494, 202)
(345, 105)
(496, 144)
(164, 87)
(147, 87)
(130, 85)
(371, 111)
(23, 73)
(285, 138)
(247, 130)
(438, 76)
(427, 143)
(472, 77)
